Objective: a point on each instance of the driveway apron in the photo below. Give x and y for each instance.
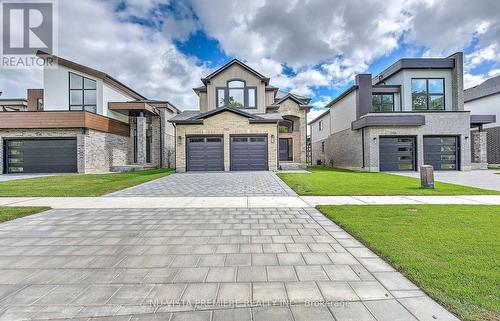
(259, 264)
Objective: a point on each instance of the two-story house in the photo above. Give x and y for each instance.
(243, 123)
(84, 120)
(483, 101)
(410, 114)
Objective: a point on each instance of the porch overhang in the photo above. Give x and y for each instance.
(388, 120)
(132, 108)
(479, 120)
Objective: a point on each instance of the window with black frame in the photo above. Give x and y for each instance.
(82, 93)
(382, 103)
(236, 95)
(427, 94)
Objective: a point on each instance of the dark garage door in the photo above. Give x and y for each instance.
(205, 153)
(397, 153)
(248, 153)
(441, 152)
(40, 155)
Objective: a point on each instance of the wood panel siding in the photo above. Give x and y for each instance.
(33, 96)
(62, 119)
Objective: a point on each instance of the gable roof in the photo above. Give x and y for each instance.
(281, 94)
(301, 102)
(194, 117)
(92, 72)
(486, 88)
(206, 80)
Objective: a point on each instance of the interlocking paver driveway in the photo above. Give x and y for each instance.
(197, 264)
(212, 184)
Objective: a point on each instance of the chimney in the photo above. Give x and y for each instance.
(363, 94)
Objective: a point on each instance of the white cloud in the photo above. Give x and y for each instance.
(144, 58)
(325, 44)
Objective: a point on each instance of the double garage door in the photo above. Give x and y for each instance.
(206, 153)
(399, 153)
(56, 155)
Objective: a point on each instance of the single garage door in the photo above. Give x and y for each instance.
(205, 153)
(40, 155)
(441, 152)
(248, 153)
(397, 153)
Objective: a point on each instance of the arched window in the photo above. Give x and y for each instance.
(285, 126)
(236, 95)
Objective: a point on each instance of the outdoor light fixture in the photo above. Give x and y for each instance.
(374, 139)
(272, 139)
(179, 139)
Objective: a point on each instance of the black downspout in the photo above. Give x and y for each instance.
(363, 145)
(161, 143)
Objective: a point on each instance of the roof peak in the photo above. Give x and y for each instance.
(206, 79)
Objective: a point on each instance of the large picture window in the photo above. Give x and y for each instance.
(427, 94)
(382, 103)
(82, 93)
(236, 95)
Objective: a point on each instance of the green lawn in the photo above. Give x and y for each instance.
(451, 251)
(79, 185)
(11, 213)
(334, 181)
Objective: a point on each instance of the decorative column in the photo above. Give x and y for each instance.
(479, 152)
(141, 139)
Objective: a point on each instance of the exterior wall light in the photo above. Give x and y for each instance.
(272, 139)
(179, 139)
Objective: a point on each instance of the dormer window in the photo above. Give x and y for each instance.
(236, 95)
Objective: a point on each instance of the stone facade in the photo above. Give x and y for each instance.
(479, 155)
(289, 109)
(96, 151)
(226, 124)
(103, 151)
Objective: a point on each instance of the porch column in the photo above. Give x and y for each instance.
(479, 152)
(141, 140)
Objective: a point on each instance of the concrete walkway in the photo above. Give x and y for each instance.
(486, 179)
(242, 201)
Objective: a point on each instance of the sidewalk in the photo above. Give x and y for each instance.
(242, 202)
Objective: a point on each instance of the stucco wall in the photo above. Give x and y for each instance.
(236, 72)
(489, 105)
(225, 124)
(318, 135)
(343, 113)
(56, 92)
(404, 78)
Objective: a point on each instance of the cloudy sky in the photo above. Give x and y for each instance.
(162, 48)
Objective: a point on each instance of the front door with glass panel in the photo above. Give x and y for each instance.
(285, 149)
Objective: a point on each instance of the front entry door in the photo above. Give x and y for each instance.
(285, 149)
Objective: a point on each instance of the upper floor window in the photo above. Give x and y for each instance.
(285, 126)
(427, 94)
(236, 95)
(320, 125)
(382, 103)
(82, 93)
